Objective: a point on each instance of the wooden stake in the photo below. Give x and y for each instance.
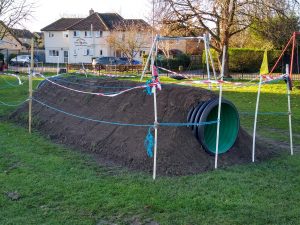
(30, 88)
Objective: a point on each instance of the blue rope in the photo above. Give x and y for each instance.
(149, 143)
(187, 124)
(13, 105)
(149, 140)
(90, 119)
(148, 89)
(265, 113)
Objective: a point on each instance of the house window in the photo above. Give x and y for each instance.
(88, 33)
(98, 33)
(101, 52)
(51, 34)
(76, 33)
(53, 53)
(88, 52)
(75, 52)
(66, 35)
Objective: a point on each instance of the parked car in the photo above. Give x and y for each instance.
(127, 61)
(22, 60)
(108, 60)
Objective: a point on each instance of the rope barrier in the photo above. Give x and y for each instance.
(265, 113)
(14, 75)
(93, 93)
(9, 83)
(95, 86)
(13, 105)
(149, 141)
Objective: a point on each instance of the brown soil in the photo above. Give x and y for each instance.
(179, 153)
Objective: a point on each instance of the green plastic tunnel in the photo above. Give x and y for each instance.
(207, 134)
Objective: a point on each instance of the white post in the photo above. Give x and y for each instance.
(30, 88)
(255, 118)
(155, 134)
(219, 111)
(155, 114)
(289, 111)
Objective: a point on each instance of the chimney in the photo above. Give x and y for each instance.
(92, 11)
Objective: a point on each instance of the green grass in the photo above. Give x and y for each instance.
(60, 186)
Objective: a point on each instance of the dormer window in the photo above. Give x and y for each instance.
(88, 33)
(76, 33)
(98, 33)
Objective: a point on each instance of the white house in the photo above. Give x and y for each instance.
(79, 40)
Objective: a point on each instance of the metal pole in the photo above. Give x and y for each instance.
(255, 119)
(211, 61)
(219, 111)
(149, 57)
(30, 88)
(292, 58)
(206, 57)
(281, 55)
(289, 111)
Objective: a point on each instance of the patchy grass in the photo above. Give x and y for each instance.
(54, 185)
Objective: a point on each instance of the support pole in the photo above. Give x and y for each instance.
(289, 111)
(149, 57)
(219, 110)
(292, 58)
(281, 55)
(155, 112)
(211, 61)
(30, 88)
(155, 133)
(207, 56)
(255, 118)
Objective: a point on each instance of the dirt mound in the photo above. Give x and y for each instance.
(179, 152)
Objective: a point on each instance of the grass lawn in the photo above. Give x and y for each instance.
(44, 183)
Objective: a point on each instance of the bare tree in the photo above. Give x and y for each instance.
(130, 37)
(14, 12)
(223, 19)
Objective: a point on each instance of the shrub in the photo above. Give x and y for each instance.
(246, 60)
(181, 60)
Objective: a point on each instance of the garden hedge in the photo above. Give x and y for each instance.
(246, 60)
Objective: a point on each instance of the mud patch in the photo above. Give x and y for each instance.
(179, 153)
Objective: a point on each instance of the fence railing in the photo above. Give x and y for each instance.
(126, 68)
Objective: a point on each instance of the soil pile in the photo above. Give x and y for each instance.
(179, 152)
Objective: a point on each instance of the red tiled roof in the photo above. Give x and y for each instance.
(61, 24)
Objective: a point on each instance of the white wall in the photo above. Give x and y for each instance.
(77, 46)
(56, 40)
(80, 44)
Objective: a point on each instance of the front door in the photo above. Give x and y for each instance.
(66, 56)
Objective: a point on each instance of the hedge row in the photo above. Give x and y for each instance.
(174, 63)
(247, 60)
(240, 60)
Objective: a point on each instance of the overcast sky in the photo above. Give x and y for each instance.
(47, 11)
